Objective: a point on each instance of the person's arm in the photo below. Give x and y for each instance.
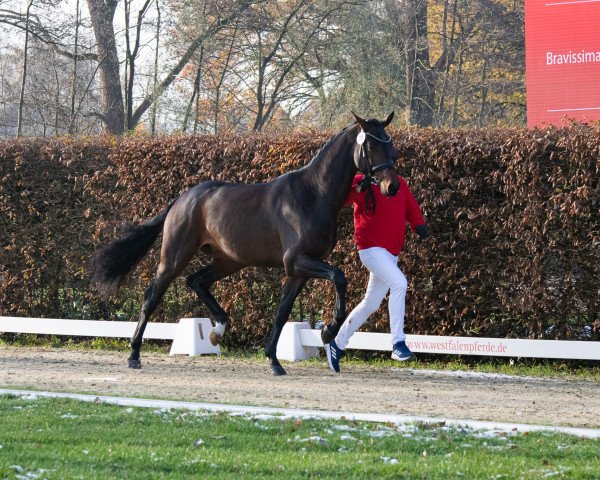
(414, 217)
(352, 193)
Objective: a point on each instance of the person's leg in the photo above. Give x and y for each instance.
(397, 305)
(384, 266)
(398, 284)
(375, 293)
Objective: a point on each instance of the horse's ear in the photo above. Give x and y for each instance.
(388, 120)
(361, 121)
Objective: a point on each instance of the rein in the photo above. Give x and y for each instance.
(369, 178)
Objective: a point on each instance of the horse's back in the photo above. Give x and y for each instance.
(235, 219)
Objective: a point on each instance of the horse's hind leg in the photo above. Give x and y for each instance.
(201, 281)
(152, 298)
(291, 289)
(178, 247)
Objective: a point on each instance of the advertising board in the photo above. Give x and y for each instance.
(562, 40)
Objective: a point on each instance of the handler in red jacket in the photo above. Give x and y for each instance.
(379, 234)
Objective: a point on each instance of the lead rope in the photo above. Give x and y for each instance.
(366, 184)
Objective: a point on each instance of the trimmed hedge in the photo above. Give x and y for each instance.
(513, 214)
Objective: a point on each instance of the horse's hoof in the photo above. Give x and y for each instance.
(327, 336)
(215, 338)
(278, 370)
(137, 364)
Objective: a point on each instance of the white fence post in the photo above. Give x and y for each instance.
(290, 345)
(192, 338)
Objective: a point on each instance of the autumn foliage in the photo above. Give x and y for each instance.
(513, 214)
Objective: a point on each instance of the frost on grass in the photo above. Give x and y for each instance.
(343, 428)
(381, 433)
(29, 396)
(312, 439)
(560, 471)
(162, 411)
(264, 416)
(22, 474)
(69, 415)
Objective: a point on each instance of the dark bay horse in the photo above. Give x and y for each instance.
(290, 221)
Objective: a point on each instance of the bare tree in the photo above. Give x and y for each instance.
(74, 76)
(131, 57)
(155, 69)
(258, 64)
(102, 13)
(214, 27)
(24, 71)
(279, 38)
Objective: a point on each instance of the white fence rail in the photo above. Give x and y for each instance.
(298, 341)
(190, 335)
(85, 328)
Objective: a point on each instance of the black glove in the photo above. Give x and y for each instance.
(422, 231)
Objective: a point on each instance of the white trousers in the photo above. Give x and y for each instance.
(385, 275)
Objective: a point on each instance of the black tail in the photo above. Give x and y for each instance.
(111, 265)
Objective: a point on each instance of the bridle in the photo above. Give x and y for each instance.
(369, 175)
(364, 160)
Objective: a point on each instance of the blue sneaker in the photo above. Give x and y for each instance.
(401, 352)
(334, 354)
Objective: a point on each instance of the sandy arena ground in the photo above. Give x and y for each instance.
(357, 389)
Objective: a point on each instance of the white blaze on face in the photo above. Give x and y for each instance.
(219, 329)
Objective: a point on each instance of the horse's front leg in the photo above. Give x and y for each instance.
(291, 289)
(306, 266)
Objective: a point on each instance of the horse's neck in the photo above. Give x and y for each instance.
(332, 173)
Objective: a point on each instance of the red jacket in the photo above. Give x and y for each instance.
(386, 227)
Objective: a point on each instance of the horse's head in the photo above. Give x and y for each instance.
(375, 155)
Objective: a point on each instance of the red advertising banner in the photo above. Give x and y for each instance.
(562, 40)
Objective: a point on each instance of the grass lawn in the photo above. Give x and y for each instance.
(57, 438)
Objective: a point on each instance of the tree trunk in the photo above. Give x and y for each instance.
(24, 72)
(221, 81)
(74, 76)
(484, 91)
(131, 58)
(448, 45)
(155, 74)
(457, 89)
(56, 98)
(195, 94)
(420, 76)
(102, 13)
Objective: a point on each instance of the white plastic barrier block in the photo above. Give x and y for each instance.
(290, 345)
(192, 338)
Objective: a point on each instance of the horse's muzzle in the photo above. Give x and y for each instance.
(391, 191)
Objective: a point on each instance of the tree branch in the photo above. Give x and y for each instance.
(183, 61)
(17, 20)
